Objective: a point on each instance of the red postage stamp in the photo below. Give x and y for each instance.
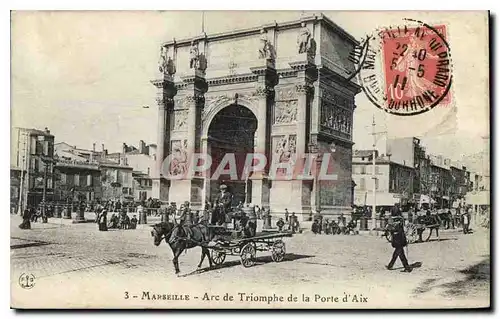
(416, 66)
(406, 70)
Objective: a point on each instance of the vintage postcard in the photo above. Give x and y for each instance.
(232, 159)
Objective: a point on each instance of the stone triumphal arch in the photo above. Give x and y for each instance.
(281, 90)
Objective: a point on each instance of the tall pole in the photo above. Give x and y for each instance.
(28, 167)
(21, 188)
(44, 194)
(374, 177)
(202, 22)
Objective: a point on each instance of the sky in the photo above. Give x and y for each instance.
(86, 75)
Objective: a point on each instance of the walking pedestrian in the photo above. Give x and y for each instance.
(103, 221)
(398, 242)
(26, 224)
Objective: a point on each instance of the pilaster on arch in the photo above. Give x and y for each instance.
(214, 107)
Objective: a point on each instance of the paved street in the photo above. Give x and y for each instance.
(76, 265)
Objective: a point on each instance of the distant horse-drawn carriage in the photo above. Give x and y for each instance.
(420, 230)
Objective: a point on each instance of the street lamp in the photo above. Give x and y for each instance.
(46, 162)
(314, 149)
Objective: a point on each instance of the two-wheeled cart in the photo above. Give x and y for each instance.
(246, 248)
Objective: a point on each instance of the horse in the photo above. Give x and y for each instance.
(182, 237)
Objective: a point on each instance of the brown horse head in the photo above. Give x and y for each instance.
(160, 231)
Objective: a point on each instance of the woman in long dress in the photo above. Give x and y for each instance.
(103, 222)
(26, 224)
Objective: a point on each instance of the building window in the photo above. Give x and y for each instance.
(63, 178)
(89, 180)
(34, 164)
(77, 180)
(362, 184)
(377, 170)
(376, 183)
(363, 169)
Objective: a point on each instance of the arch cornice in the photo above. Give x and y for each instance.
(215, 104)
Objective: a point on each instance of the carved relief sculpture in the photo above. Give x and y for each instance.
(178, 163)
(285, 112)
(180, 119)
(266, 50)
(286, 148)
(334, 118)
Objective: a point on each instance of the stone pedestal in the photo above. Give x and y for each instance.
(67, 211)
(57, 211)
(143, 217)
(80, 215)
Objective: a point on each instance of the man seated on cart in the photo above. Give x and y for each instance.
(224, 200)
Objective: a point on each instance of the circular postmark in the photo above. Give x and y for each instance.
(27, 281)
(406, 70)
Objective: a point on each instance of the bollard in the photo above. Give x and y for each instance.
(57, 211)
(363, 223)
(143, 217)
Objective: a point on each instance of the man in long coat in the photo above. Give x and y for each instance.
(224, 199)
(398, 242)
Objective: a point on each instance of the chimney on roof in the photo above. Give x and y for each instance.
(142, 147)
(124, 148)
(148, 171)
(102, 147)
(93, 147)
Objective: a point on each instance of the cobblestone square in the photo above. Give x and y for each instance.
(101, 268)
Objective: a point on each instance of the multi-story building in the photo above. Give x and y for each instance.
(32, 150)
(116, 181)
(143, 186)
(91, 175)
(142, 160)
(410, 152)
(77, 180)
(393, 183)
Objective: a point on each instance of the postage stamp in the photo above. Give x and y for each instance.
(407, 70)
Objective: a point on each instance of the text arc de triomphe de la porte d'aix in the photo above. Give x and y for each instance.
(281, 90)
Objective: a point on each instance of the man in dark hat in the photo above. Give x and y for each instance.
(398, 243)
(224, 199)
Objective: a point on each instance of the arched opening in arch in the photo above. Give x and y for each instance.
(231, 133)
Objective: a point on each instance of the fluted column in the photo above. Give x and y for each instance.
(165, 100)
(302, 92)
(267, 80)
(261, 145)
(160, 147)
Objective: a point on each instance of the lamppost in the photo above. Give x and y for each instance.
(313, 150)
(46, 162)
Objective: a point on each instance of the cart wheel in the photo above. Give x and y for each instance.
(426, 234)
(218, 256)
(411, 233)
(248, 253)
(278, 251)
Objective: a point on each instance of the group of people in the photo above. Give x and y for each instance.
(122, 221)
(324, 225)
(33, 215)
(291, 222)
